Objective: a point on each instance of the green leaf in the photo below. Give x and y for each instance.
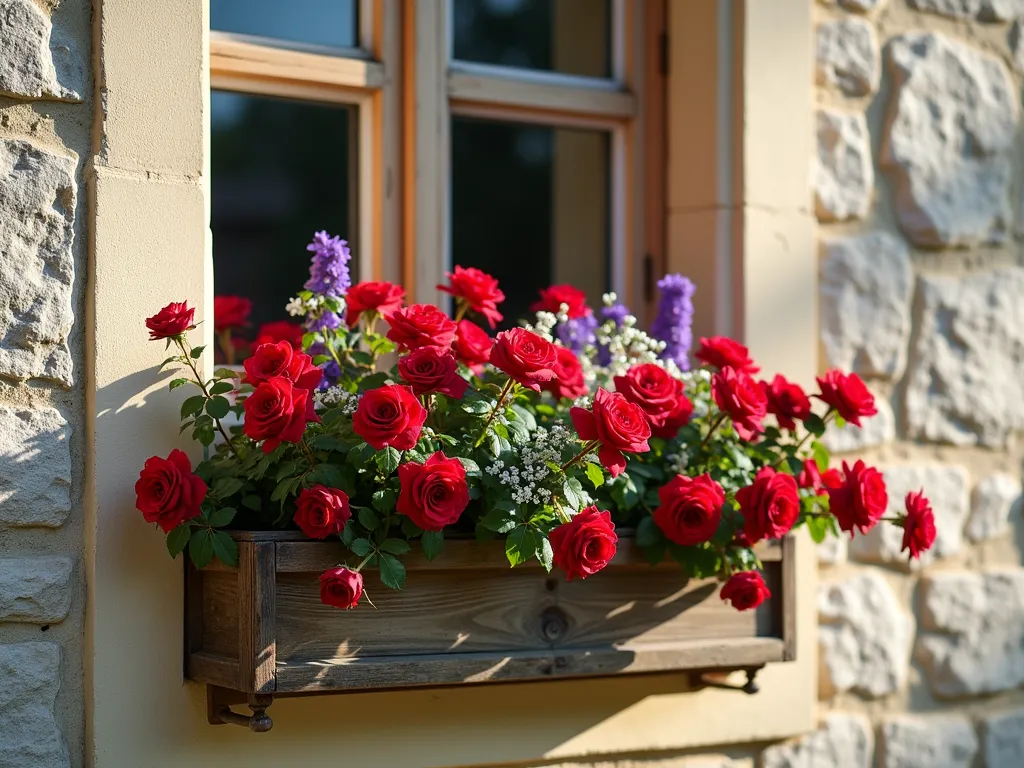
(648, 534)
(360, 547)
(815, 425)
(222, 517)
(573, 491)
(395, 546)
(820, 455)
(252, 501)
(384, 500)
(698, 562)
(432, 542)
(388, 460)
(225, 373)
(367, 519)
(175, 383)
(409, 528)
(545, 554)
(203, 433)
(595, 474)
(225, 548)
(282, 489)
(347, 535)
(796, 465)
(523, 415)
(221, 388)
(471, 467)
(818, 527)
(218, 407)
(178, 539)
(197, 352)
(227, 486)
(522, 544)
(200, 548)
(169, 360)
(392, 572)
(192, 405)
(499, 520)
(185, 425)
(330, 475)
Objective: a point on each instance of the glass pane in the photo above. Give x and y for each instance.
(321, 22)
(281, 170)
(570, 36)
(530, 205)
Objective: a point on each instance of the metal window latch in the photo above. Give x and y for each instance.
(720, 680)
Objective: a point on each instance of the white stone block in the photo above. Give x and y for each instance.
(29, 681)
(35, 589)
(843, 176)
(1003, 739)
(848, 56)
(993, 501)
(35, 467)
(940, 741)
(35, 63)
(842, 741)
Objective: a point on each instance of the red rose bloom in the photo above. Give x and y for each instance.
(277, 411)
(281, 359)
(918, 525)
(770, 506)
(585, 544)
(321, 511)
(172, 320)
(553, 297)
(230, 312)
(421, 325)
(525, 357)
(167, 492)
(568, 381)
(280, 330)
(472, 345)
(429, 369)
(848, 394)
(372, 296)
(811, 477)
(478, 289)
(341, 588)
(434, 494)
(739, 396)
(786, 401)
(690, 509)
(746, 590)
(389, 416)
(659, 395)
(861, 499)
(618, 424)
(720, 352)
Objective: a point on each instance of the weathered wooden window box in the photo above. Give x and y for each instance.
(259, 630)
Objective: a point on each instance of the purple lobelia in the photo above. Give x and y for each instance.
(579, 333)
(328, 274)
(674, 321)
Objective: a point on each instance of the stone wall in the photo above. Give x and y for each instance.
(45, 128)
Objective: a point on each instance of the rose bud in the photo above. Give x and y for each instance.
(341, 588)
(173, 320)
(745, 590)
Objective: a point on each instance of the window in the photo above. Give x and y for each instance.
(519, 136)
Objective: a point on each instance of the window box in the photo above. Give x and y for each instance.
(259, 630)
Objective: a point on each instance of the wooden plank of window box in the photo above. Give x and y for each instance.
(457, 668)
(213, 669)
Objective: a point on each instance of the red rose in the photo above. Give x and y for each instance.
(659, 395)
(434, 493)
(525, 357)
(280, 359)
(739, 396)
(918, 525)
(618, 424)
(429, 369)
(770, 506)
(746, 590)
(421, 325)
(553, 297)
(167, 492)
(472, 345)
(389, 416)
(568, 381)
(847, 394)
(585, 544)
(786, 401)
(720, 352)
(172, 320)
(812, 477)
(373, 296)
(277, 411)
(478, 289)
(230, 312)
(341, 588)
(321, 511)
(861, 499)
(690, 509)
(280, 330)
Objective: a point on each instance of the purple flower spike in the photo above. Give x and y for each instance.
(674, 322)
(578, 333)
(328, 272)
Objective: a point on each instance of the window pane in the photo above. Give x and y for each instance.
(530, 205)
(281, 170)
(570, 36)
(322, 22)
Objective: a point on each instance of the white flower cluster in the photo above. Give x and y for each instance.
(526, 480)
(336, 396)
(546, 322)
(314, 305)
(696, 387)
(628, 345)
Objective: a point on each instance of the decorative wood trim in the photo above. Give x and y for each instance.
(257, 626)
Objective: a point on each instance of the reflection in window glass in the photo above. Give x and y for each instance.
(530, 205)
(321, 22)
(570, 36)
(281, 170)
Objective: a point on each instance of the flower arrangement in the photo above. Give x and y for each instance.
(555, 436)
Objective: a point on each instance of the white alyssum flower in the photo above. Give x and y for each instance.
(336, 396)
(525, 480)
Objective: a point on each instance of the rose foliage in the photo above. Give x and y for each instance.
(396, 426)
